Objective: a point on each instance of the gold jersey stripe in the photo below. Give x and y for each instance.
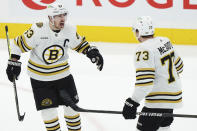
(83, 41)
(77, 47)
(53, 128)
(74, 130)
(25, 43)
(146, 76)
(72, 117)
(82, 49)
(47, 66)
(177, 60)
(163, 101)
(180, 66)
(164, 93)
(51, 121)
(20, 45)
(47, 74)
(180, 71)
(73, 124)
(145, 69)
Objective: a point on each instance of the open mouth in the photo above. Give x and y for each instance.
(61, 24)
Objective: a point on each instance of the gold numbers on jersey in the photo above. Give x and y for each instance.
(169, 58)
(145, 55)
(29, 33)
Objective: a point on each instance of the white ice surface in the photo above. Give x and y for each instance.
(106, 90)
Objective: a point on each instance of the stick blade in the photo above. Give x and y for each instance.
(21, 118)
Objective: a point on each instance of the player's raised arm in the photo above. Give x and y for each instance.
(81, 45)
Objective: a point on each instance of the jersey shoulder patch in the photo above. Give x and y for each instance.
(39, 24)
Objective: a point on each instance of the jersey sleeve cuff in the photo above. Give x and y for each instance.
(15, 56)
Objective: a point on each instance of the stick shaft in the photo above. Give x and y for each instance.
(16, 98)
(148, 114)
(20, 117)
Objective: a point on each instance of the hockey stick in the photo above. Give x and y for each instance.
(148, 114)
(20, 117)
(69, 102)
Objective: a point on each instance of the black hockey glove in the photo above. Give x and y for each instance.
(130, 109)
(95, 57)
(13, 69)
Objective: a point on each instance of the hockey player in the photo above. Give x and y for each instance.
(157, 78)
(48, 66)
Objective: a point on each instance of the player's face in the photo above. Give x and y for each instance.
(59, 21)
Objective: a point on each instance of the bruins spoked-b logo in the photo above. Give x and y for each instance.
(46, 102)
(53, 53)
